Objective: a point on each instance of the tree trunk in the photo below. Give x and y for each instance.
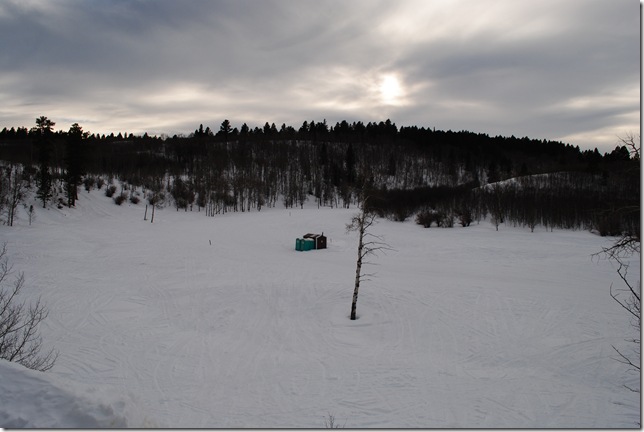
(358, 266)
(355, 290)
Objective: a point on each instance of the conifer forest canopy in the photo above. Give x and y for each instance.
(408, 170)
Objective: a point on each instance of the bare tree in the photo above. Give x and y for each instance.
(20, 341)
(496, 206)
(632, 144)
(31, 212)
(368, 244)
(629, 296)
(16, 190)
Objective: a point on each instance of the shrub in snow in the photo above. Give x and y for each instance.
(155, 198)
(400, 214)
(447, 220)
(100, 182)
(120, 199)
(88, 182)
(134, 199)
(465, 217)
(427, 216)
(330, 422)
(109, 192)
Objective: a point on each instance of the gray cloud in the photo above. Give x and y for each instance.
(564, 69)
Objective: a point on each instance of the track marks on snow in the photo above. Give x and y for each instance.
(247, 332)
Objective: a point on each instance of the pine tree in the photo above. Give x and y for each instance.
(43, 132)
(225, 130)
(74, 163)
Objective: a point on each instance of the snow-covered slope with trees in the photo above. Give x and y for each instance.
(194, 321)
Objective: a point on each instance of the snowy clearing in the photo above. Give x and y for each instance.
(195, 322)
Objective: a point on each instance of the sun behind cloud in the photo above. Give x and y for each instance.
(391, 90)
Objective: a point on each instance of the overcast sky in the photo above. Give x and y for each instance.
(563, 69)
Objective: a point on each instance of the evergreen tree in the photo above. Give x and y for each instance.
(43, 132)
(225, 130)
(74, 163)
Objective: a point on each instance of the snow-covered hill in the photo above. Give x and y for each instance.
(218, 322)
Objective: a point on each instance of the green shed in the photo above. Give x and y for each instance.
(309, 244)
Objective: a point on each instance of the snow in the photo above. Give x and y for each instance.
(31, 399)
(193, 322)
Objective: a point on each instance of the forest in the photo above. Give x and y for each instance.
(439, 177)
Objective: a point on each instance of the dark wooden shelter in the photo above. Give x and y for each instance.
(319, 239)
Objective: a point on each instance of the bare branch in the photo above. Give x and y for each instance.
(19, 338)
(629, 298)
(625, 360)
(632, 143)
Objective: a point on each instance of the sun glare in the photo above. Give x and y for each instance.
(390, 90)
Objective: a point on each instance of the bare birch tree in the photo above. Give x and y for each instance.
(16, 190)
(20, 341)
(368, 244)
(629, 295)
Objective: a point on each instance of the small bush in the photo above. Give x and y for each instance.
(118, 200)
(465, 217)
(400, 214)
(88, 182)
(110, 191)
(447, 220)
(425, 218)
(134, 199)
(155, 198)
(100, 182)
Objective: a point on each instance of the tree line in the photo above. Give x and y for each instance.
(407, 170)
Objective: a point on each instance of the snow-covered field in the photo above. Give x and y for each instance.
(196, 322)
